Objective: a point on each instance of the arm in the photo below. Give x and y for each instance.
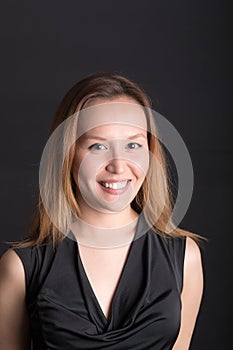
(191, 294)
(14, 322)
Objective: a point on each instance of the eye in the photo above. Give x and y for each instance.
(97, 147)
(133, 145)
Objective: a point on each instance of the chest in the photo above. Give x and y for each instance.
(103, 269)
(138, 285)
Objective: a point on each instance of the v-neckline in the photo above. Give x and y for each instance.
(108, 321)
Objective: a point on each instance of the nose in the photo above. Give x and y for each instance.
(116, 166)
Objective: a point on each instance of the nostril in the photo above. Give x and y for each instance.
(115, 165)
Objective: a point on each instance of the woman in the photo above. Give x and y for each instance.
(103, 266)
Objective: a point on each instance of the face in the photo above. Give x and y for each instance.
(112, 158)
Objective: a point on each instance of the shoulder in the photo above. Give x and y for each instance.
(12, 279)
(193, 271)
(191, 295)
(186, 256)
(11, 267)
(192, 254)
(14, 321)
(21, 270)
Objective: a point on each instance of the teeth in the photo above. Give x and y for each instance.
(115, 185)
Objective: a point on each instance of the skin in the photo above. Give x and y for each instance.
(107, 205)
(14, 323)
(115, 157)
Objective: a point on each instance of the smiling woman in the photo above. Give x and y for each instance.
(108, 175)
(103, 266)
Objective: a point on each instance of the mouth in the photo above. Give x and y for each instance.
(115, 187)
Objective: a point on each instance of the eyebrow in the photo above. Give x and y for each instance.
(95, 137)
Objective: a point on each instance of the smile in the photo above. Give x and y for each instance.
(115, 185)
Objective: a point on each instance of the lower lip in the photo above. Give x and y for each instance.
(115, 191)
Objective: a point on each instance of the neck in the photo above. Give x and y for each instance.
(108, 219)
(103, 237)
(104, 229)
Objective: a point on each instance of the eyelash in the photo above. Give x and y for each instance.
(135, 143)
(96, 145)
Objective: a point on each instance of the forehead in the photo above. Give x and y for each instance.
(115, 131)
(121, 114)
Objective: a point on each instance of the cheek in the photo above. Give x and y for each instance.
(87, 167)
(140, 162)
(81, 156)
(77, 165)
(139, 173)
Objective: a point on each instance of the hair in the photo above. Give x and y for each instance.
(107, 86)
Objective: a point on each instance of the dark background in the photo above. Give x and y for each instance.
(180, 52)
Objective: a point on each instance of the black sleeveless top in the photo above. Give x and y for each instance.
(146, 308)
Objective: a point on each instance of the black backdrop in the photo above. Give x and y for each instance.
(180, 52)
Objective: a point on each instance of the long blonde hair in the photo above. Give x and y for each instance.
(102, 85)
